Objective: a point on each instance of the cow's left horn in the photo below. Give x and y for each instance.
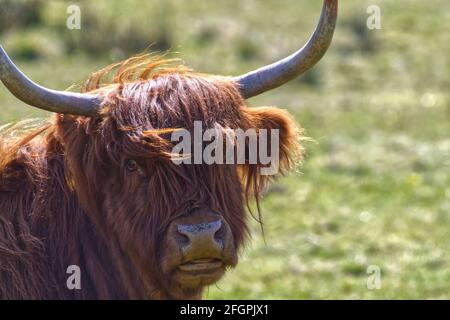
(37, 96)
(283, 71)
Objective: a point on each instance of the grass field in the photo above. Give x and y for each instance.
(375, 187)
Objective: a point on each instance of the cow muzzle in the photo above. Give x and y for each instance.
(202, 247)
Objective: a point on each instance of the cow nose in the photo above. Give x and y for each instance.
(202, 239)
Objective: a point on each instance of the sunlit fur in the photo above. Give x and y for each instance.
(66, 197)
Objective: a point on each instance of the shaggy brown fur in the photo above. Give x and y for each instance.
(66, 197)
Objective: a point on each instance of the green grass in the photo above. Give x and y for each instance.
(375, 186)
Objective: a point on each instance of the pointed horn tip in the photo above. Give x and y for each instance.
(275, 75)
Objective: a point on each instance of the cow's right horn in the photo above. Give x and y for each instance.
(37, 96)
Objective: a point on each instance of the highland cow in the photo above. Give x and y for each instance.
(96, 187)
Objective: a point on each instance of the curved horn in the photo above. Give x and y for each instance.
(37, 96)
(283, 71)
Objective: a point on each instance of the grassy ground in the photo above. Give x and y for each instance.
(375, 187)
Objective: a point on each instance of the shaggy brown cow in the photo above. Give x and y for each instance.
(96, 188)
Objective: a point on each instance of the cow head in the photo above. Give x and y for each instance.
(179, 224)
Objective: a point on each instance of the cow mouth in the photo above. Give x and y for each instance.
(201, 267)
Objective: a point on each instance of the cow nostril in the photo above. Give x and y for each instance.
(181, 239)
(219, 235)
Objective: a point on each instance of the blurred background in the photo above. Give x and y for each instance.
(374, 191)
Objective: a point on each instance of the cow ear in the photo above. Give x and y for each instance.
(255, 177)
(289, 133)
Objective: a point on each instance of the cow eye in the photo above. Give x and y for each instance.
(132, 165)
